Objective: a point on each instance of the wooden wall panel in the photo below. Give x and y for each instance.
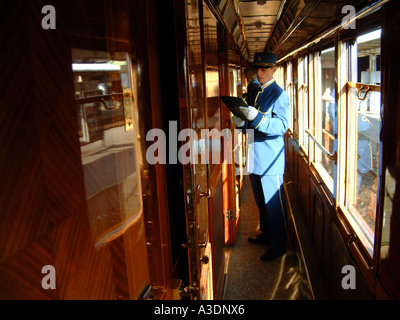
(219, 241)
(331, 251)
(20, 275)
(303, 185)
(340, 257)
(41, 169)
(43, 210)
(320, 227)
(82, 272)
(318, 215)
(148, 101)
(388, 265)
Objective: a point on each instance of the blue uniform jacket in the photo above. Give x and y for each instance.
(266, 155)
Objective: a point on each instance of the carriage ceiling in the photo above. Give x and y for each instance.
(267, 25)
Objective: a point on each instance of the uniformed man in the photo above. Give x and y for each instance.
(269, 117)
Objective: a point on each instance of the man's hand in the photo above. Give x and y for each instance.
(239, 123)
(249, 112)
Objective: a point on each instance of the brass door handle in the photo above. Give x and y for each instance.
(201, 194)
(206, 194)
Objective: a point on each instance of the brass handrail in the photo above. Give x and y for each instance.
(114, 98)
(332, 156)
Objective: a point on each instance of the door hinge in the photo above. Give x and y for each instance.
(229, 215)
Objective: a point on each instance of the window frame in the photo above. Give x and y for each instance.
(316, 149)
(366, 21)
(364, 232)
(289, 86)
(303, 103)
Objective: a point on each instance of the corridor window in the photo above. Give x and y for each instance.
(289, 90)
(280, 77)
(364, 144)
(303, 102)
(325, 115)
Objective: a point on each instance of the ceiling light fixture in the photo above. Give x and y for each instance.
(258, 24)
(261, 2)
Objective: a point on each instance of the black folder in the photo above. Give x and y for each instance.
(233, 104)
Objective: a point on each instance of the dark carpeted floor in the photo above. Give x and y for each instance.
(248, 277)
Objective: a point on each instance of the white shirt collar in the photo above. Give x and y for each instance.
(267, 84)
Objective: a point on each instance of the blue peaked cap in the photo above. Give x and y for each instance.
(264, 60)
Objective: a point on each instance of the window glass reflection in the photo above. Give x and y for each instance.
(326, 112)
(105, 127)
(365, 125)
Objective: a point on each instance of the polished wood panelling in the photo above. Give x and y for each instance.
(330, 249)
(149, 103)
(389, 266)
(335, 242)
(213, 122)
(44, 218)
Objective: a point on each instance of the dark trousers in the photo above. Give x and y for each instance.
(269, 195)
